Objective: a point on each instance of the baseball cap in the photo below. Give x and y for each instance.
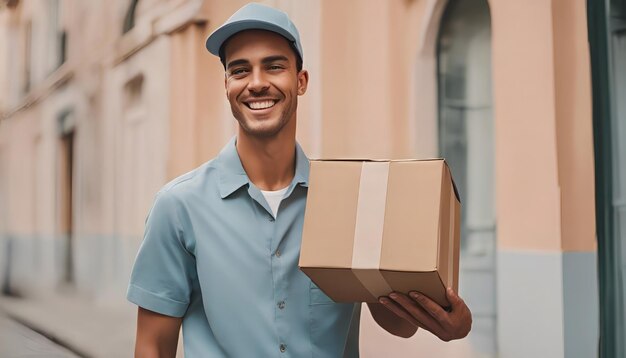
(255, 16)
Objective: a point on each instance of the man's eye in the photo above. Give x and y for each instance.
(238, 71)
(275, 67)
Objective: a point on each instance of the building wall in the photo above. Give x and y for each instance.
(149, 105)
(121, 143)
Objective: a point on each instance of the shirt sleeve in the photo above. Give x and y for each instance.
(164, 270)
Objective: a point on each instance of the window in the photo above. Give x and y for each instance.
(133, 91)
(466, 140)
(27, 53)
(9, 3)
(129, 20)
(66, 129)
(56, 36)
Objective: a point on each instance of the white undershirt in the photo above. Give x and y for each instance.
(274, 198)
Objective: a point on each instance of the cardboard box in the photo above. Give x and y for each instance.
(373, 227)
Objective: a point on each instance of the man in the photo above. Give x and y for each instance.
(221, 245)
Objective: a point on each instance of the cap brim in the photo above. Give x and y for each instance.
(219, 36)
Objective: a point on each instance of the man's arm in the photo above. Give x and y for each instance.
(157, 335)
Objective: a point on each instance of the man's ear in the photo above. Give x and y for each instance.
(303, 82)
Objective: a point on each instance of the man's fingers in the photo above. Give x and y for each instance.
(432, 308)
(430, 316)
(453, 298)
(458, 305)
(399, 311)
(420, 314)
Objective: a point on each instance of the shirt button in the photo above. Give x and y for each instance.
(277, 253)
(281, 305)
(283, 348)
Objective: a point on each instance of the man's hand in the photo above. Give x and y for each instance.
(423, 312)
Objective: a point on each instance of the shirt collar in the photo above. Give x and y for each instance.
(233, 176)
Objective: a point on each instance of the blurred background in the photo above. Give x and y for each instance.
(103, 102)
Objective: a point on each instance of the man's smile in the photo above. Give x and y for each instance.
(260, 104)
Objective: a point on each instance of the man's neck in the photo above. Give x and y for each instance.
(270, 163)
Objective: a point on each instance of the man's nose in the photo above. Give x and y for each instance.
(258, 81)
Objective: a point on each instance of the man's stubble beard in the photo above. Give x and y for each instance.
(265, 132)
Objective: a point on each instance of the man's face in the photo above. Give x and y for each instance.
(262, 83)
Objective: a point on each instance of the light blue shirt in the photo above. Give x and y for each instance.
(215, 255)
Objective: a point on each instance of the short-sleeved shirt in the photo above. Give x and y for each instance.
(214, 254)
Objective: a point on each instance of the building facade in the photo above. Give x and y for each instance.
(104, 102)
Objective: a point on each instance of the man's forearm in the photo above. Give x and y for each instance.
(156, 350)
(157, 335)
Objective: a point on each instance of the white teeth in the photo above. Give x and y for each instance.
(261, 104)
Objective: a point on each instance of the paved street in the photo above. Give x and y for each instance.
(17, 340)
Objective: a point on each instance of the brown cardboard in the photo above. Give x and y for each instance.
(376, 226)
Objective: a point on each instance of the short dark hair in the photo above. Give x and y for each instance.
(292, 45)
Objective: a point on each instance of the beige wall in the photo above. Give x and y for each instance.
(574, 125)
(543, 126)
(199, 119)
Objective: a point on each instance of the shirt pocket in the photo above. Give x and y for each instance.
(329, 324)
(318, 297)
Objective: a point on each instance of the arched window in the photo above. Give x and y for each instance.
(466, 140)
(129, 20)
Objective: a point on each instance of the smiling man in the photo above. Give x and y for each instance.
(221, 245)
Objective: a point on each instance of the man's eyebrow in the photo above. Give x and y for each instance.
(236, 63)
(271, 59)
(264, 61)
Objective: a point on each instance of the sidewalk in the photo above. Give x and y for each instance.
(85, 327)
(17, 340)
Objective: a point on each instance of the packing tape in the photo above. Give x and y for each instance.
(368, 232)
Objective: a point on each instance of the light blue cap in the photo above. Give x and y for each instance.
(255, 17)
